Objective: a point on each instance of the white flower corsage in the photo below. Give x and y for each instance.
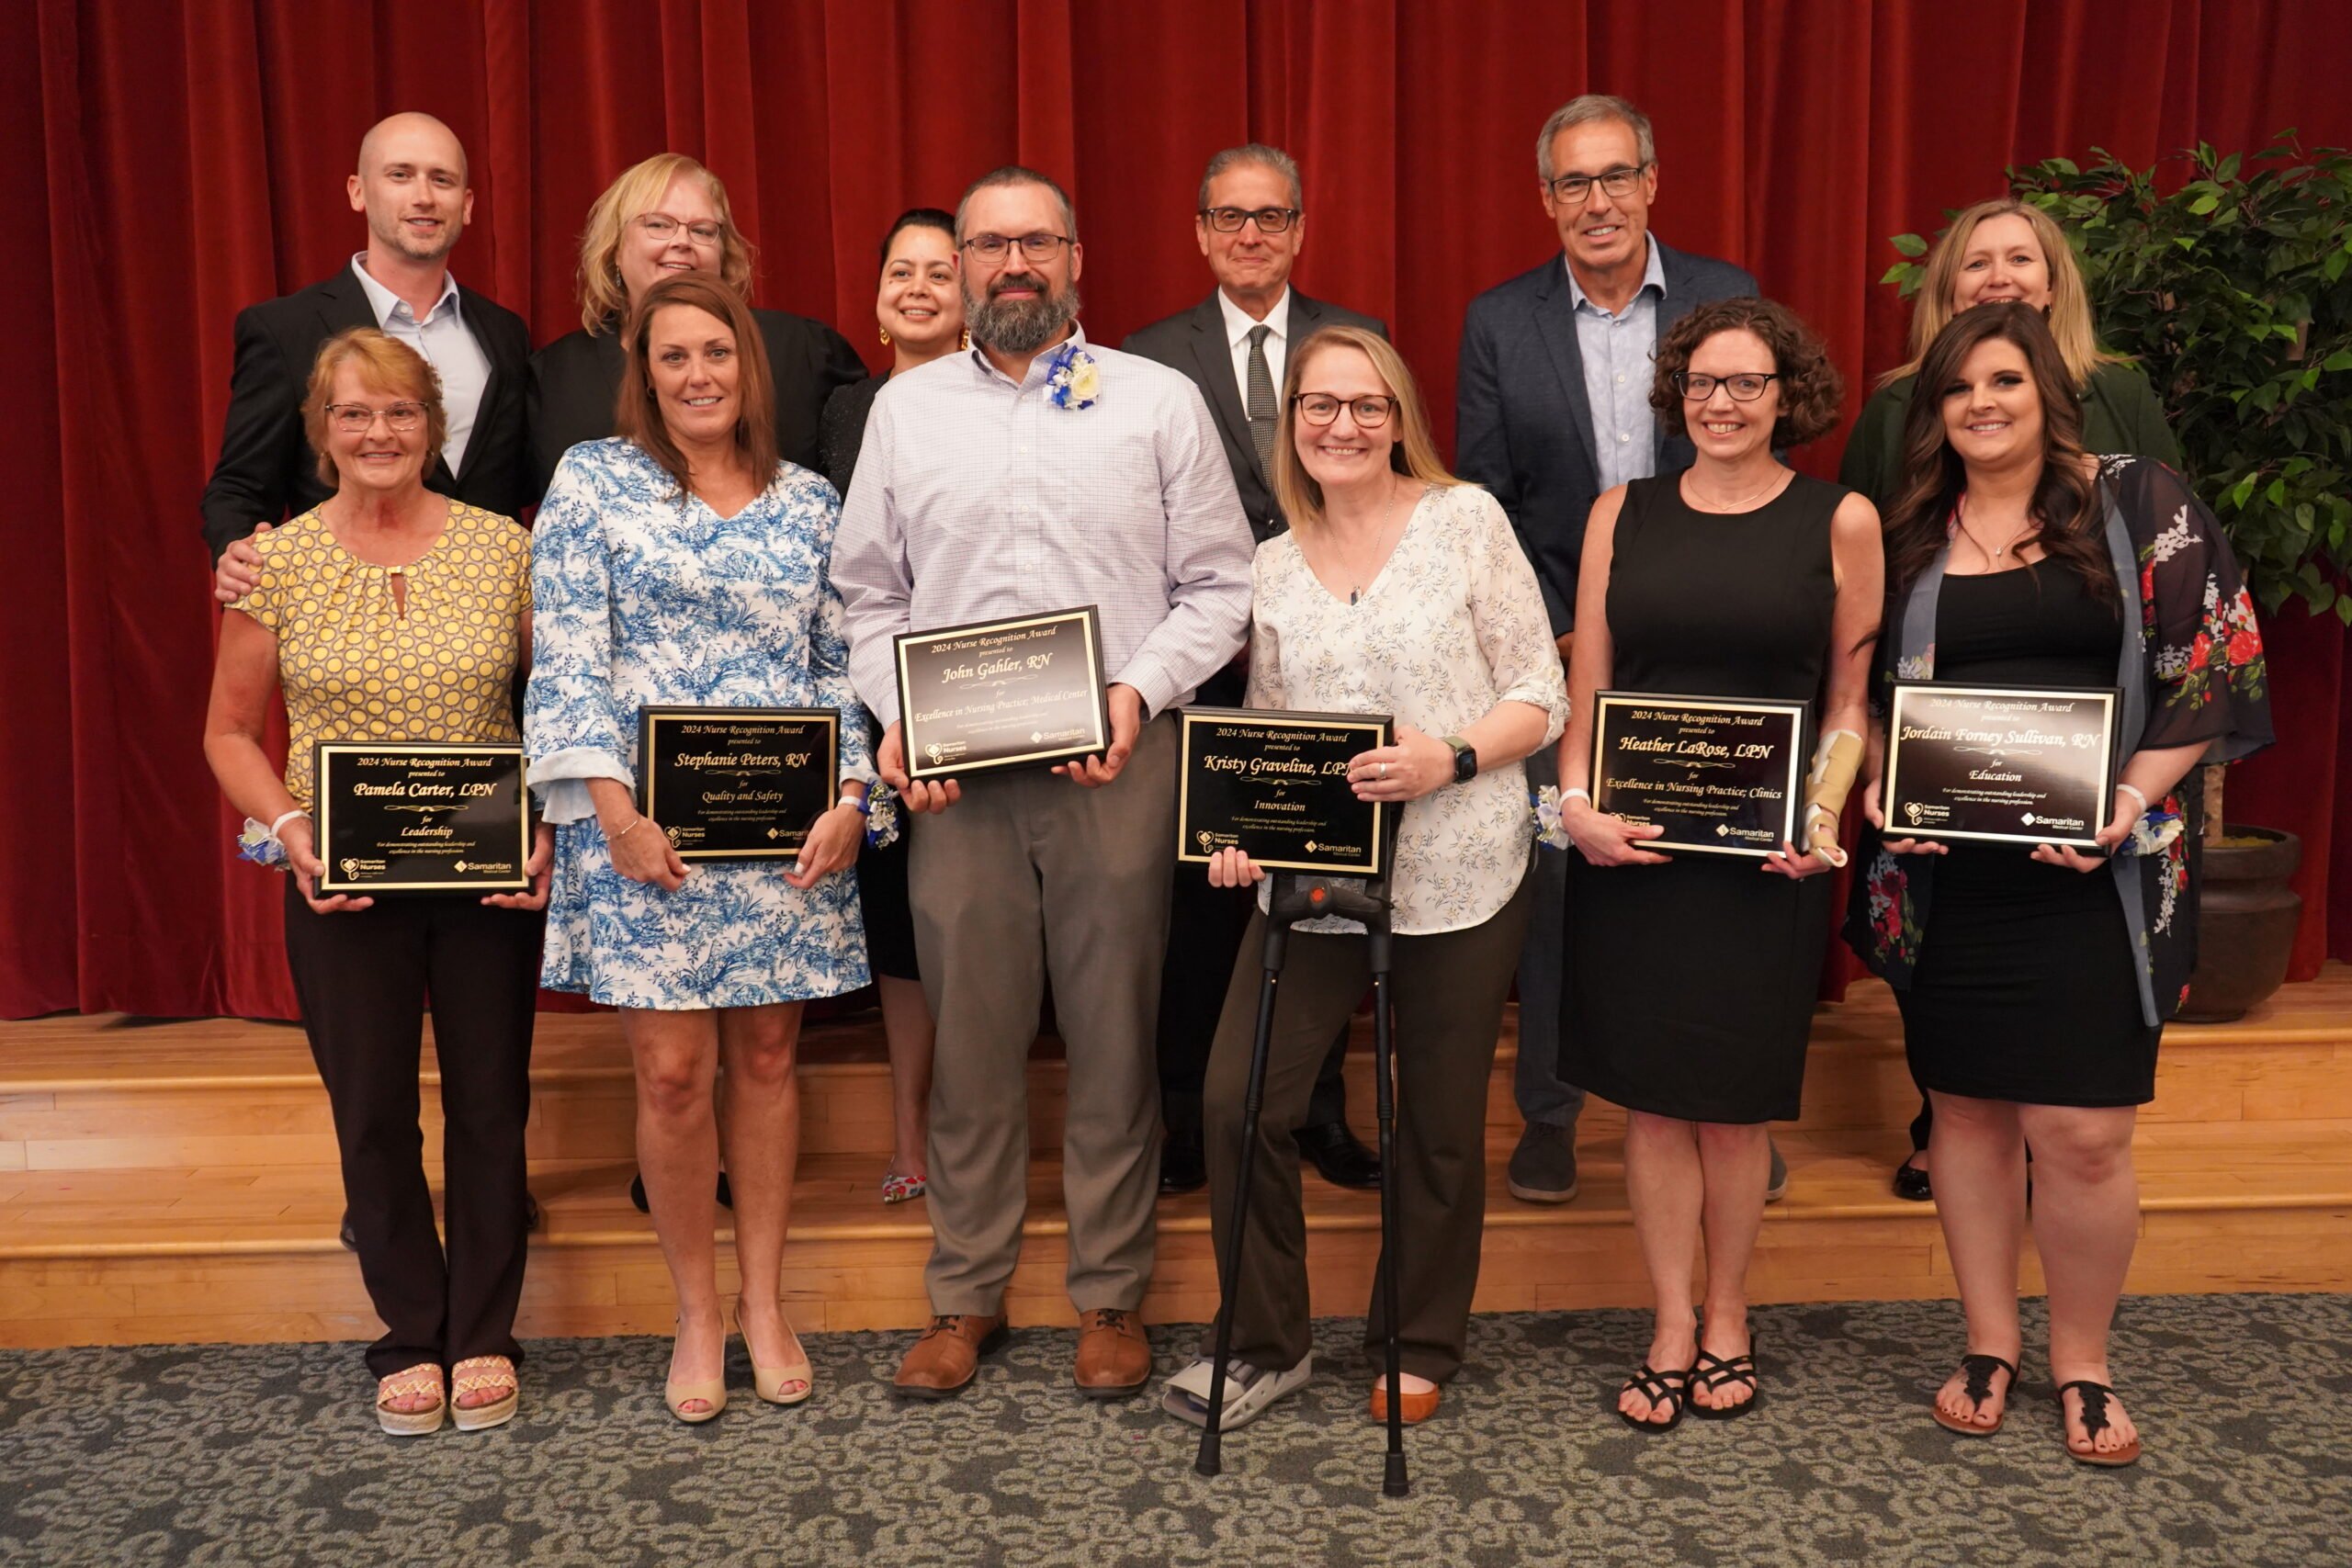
(881, 811)
(2152, 834)
(259, 845)
(1550, 830)
(1073, 380)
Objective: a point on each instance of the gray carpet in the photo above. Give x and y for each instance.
(267, 1455)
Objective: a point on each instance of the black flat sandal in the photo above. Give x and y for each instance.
(2094, 1398)
(1712, 1372)
(1980, 1371)
(1671, 1389)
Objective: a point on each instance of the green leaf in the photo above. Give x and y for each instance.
(1910, 244)
(2205, 204)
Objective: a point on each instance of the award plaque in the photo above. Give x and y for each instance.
(1723, 776)
(2017, 764)
(1274, 783)
(737, 784)
(420, 817)
(1020, 693)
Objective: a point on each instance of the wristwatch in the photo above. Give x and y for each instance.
(1465, 759)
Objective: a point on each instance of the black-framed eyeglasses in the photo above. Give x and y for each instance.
(1270, 220)
(1617, 181)
(1743, 388)
(358, 419)
(1038, 247)
(1322, 408)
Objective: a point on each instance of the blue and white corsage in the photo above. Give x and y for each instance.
(1550, 830)
(1073, 380)
(261, 846)
(880, 808)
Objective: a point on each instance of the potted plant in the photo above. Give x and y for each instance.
(2234, 292)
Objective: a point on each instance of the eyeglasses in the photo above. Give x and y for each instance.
(662, 227)
(358, 419)
(1038, 247)
(1743, 388)
(1270, 220)
(1619, 181)
(1322, 408)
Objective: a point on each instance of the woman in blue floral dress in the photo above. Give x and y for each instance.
(683, 562)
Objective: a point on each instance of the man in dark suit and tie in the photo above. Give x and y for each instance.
(1234, 344)
(411, 184)
(1552, 408)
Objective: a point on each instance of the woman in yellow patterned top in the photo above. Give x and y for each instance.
(390, 612)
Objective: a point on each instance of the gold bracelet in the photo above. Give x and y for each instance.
(630, 828)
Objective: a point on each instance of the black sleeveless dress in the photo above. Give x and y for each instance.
(1689, 987)
(2027, 988)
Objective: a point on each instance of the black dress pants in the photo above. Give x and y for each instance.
(363, 978)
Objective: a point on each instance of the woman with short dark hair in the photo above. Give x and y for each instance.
(2034, 984)
(1689, 977)
(683, 562)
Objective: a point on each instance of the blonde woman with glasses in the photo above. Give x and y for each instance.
(1398, 590)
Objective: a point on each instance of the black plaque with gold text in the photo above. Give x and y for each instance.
(1722, 775)
(420, 817)
(1026, 692)
(2015, 765)
(731, 784)
(1274, 783)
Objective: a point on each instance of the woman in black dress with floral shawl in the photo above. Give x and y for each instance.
(2034, 983)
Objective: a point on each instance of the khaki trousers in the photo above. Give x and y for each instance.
(1029, 875)
(1447, 992)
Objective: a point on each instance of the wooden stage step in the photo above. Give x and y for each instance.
(169, 1182)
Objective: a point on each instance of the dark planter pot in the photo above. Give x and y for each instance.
(2245, 923)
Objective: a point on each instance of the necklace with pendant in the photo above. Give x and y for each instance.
(1997, 555)
(1356, 591)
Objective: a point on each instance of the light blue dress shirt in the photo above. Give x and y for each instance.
(443, 338)
(1620, 355)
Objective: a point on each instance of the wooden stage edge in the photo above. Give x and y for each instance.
(175, 1182)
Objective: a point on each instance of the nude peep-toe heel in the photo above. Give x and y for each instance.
(713, 1392)
(769, 1382)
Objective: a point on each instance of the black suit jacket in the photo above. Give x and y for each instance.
(266, 469)
(1194, 342)
(574, 379)
(1522, 422)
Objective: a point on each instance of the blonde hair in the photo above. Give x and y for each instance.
(603, 298)
(2071, 327)
(1415, 454)
(385, 364)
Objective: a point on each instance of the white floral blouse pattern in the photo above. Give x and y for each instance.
(645, 596)
(1453, 623)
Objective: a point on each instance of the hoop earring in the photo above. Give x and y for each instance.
(885, 337)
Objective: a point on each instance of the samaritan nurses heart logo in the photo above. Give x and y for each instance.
(350, 867)
(1208, 839)
(1911, 810)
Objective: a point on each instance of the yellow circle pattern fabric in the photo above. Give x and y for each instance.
(354, 666)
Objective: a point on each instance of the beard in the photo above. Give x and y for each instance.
(395, 235)
(1021, 326)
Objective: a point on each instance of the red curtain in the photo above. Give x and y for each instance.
(178, 158)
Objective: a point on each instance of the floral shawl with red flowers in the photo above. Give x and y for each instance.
(2191, 671)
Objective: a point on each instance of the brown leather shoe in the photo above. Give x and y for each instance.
(940, 1362)
(1113, 1354)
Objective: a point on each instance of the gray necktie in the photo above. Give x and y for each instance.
(1261, 400)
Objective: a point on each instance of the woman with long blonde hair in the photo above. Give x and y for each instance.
(1997, 250)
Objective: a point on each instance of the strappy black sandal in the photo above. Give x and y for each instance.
(1980, 1371)
(1671, 1389)
(1712, 1372)
(2094, 1398)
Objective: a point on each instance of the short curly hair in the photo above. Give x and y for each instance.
(1811, 392)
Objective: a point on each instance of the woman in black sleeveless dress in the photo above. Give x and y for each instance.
(2034, 982)
(1690, 977)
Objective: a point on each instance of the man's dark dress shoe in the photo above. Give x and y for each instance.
(1339, 1155)
(1182, 1168)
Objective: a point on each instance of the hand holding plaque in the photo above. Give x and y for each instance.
(1027, 692)
(2022, 765)
(1274, 783)
(1719, 775)
(419, 817)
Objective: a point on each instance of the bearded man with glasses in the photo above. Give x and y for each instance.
(1251, 224)
(1552, 408)
(1036, 473)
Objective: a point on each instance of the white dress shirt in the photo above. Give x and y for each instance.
(1620, 353)
(977, 498)
(1238, 327)
(447, 346)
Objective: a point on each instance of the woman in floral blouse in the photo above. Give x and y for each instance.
(1398, 590)
(2034, 984)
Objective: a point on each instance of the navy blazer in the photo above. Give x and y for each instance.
(1522, 422)
(267, 468)
(1194, 343)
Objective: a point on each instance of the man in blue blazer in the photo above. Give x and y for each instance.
(1553, 409)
